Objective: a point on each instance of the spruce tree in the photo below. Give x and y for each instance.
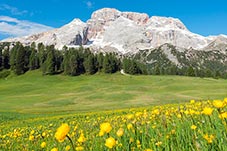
(20, 60)
(13, 54)
(49, 64)
(190, 71)
(89, 64)
(100, 59)
(42, 54)
(33, 60)
(6, 64)
(106, 64)
(1, 60)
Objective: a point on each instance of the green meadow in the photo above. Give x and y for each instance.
(34, 93)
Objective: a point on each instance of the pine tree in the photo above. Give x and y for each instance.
(190, 72)
(6, 64)
(1, 60)
(74, 65)
(50, 62)
(33, 59)
(66, 66)
(20, 60)
(107, 64)
(42, 54)
(89, 64)
(13, 54)
(100, 59)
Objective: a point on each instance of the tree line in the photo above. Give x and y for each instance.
(76, 61)
(69, 61)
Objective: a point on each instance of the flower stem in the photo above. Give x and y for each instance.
(71, 142)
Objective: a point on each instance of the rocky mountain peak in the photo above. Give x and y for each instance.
(166, 23)
(106, 14)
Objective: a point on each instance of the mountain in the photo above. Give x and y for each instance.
(125, 32)
(161, 41)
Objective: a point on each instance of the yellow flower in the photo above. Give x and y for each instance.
(218, 103)
(158, 143)
(67, 148)
(43, 145)
(110, 142)
(101, 133)
(192, 101)
(130, 116)
(208, 138)
(193, 127)
(61, 133)
(131, 140)
(129, 126)
(148, 149)
(54, 149)
(43, 134)
(207, 111)
(32, 132)
(120, 132)
(81, 139)
(179, 116)
(225, 100)
(79, 148)
(31, 137)
(223, 115)
(105, 127)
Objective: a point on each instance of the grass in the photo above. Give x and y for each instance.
(33, 93)
(33, 106)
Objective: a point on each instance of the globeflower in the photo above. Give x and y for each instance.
(81, 139)
(110, 142)
(218, 103)
(207, 111)
(208, 138)
(79, 148)
(67, 148)
(223, 115)
(192, 101)
(193, 127)
(43, 144)
(54, 149)
(120, 132)
(62, 132)
(105, 127)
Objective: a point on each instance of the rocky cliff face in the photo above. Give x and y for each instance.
(125, 32)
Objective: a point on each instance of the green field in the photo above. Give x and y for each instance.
(58, 94)
(32, 107)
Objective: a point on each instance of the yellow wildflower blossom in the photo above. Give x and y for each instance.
(110, 142)
(193, 127)
(208, 138)
(61, 133)
(120, 132)
(54, 149)
(67, 148)
(218, 103)
(207, 111)
(105, 127)
(43, 144)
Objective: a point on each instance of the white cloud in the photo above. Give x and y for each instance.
(13, 10)
(89, 4)
(16, 28)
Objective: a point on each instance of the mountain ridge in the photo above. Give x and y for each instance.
(124, 32)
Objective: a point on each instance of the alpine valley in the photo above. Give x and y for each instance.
(152, 40)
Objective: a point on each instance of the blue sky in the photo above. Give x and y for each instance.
(21, 17)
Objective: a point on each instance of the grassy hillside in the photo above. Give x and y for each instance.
(34, 93)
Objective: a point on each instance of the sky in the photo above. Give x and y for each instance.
(24, 17)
